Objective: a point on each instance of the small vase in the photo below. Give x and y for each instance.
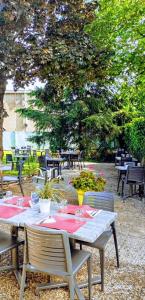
(45, 206)
(80, 196)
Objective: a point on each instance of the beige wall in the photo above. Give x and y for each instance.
(12, 101)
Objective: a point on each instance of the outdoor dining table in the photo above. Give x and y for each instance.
(91, 229)
(68, 156)
(55, 162)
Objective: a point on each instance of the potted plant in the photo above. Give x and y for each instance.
(87, 181)
(48, 194)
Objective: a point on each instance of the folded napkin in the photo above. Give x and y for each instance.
(86, 210)
(14, 200)
(70, 225)
(7, 212)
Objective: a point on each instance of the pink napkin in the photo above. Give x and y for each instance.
(14, 200)
(7, 212)
(70, 225)
(72, 209)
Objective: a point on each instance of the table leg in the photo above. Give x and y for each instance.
(15, 255)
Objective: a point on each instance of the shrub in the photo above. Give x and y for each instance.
(87, 181)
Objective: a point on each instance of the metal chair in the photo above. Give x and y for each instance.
(49, 251)
(135, 176)
(8, 243)
(105, 201)
(14, 179)
(9, 158)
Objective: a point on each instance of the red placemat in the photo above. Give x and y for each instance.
(13, 200)
(70, 225)
(7, 212)
(86, 210)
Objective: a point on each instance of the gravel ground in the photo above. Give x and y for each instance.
(125, 283)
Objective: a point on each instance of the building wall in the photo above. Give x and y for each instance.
(14, 122)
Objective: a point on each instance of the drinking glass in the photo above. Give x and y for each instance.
(9, 194)
(20, 202)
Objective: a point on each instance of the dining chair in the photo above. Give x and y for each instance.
(49, 251)
(105, 201)
(135, 176)
(15, 179)
(8, 243)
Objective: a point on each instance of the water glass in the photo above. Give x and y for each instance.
(9, 194)
(34, 198)
(79, 212)
(20, 201)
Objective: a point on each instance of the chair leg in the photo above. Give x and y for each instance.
(71, 288)
(89, 263)
(102, 261)
(115, 243)
(21, 297)
(20, 183)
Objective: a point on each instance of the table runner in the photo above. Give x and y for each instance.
(86, 210)
(7, 212)
(14, 200)
(58, 222)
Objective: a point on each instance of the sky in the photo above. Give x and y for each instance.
(30, 87)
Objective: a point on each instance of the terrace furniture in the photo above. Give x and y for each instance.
(14, 179)
(8, 243)
(122, 171)
(9, 158)
(105, 201)
(49, 251)
(135, 176)
(89, 232)
(46, 163)
(71, 157)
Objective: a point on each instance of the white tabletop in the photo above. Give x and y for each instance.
(121, 168)
(5, 167)
(89, 232)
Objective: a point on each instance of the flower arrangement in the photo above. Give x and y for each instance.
(87, 181)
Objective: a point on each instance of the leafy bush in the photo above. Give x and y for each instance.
(87, 181)
(135, 137)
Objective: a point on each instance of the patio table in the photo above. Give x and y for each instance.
(68, 155)
(88, 232)
(55, 162)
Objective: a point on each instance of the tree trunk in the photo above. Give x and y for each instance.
(2, 92)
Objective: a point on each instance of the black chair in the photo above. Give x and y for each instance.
(135, 176)
(9, 158)
(105, 201)
(8, 243)
(15, 179)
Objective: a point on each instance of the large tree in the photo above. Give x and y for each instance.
(45, 39)
(120, 28)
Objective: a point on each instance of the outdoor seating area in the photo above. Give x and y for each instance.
(87, 233)
(72, 150)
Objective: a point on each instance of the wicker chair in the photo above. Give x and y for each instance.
(135, 176)
(105, 201)
(49, 251)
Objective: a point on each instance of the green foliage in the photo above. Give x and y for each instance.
(87, 181)
(135, 137)
(50, 192)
